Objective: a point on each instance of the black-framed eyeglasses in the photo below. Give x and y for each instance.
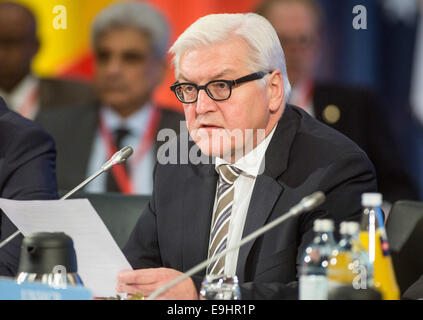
(218, 90)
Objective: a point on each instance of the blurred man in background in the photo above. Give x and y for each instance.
(24, 92)
(355, 112)
(130, 40)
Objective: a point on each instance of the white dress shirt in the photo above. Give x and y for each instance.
(251, 165)
(24, 98)
(141, 171)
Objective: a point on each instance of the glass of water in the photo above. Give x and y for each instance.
(220, 287)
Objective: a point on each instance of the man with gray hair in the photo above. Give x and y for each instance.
(231, 79)
(130, 42)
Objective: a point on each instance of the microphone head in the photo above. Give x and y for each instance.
(119, 157)
(313, 200)
(122, 155)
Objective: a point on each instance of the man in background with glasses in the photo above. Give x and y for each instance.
(231, 79)
(130, 41)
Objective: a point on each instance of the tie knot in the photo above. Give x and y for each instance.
(119, 135)
(228, 173)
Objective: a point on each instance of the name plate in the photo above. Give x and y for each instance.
(10, 290)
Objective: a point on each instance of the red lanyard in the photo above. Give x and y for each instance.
(309, 91)
(27, 107)
(121, 176)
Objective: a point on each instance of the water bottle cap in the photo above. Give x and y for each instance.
(371, 199)
(349, 227)
(323, 225)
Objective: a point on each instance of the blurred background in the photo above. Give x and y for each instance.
(384, 56)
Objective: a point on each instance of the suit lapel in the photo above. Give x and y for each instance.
(265, 194)
(267, 189)
(82, 142)
(3, 107)
(200, 189)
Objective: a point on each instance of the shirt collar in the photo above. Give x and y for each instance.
(18, 95)
(136, 123)
(251, 163)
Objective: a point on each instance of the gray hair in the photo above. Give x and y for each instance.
(139, 15)
(266, 53)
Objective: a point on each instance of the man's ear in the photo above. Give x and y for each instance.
(275, 90)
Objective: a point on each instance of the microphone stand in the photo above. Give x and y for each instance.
(82, 184)
(305, 204)
(118, 158)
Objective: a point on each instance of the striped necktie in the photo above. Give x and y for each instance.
(222, 216)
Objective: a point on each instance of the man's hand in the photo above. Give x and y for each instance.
(147, 281)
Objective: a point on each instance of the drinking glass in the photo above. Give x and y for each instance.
(220, 287)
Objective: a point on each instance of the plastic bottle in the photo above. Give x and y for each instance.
(349, 265)
(374, 239)
(313, 280)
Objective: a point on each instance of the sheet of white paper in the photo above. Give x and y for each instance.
(98, 256)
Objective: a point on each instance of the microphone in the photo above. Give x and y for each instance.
(306, 204)
(119, 157)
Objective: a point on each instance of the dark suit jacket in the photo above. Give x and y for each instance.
(73, 129)
(363, 119)
(303, 156)
(27, 172)
(60, 92)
